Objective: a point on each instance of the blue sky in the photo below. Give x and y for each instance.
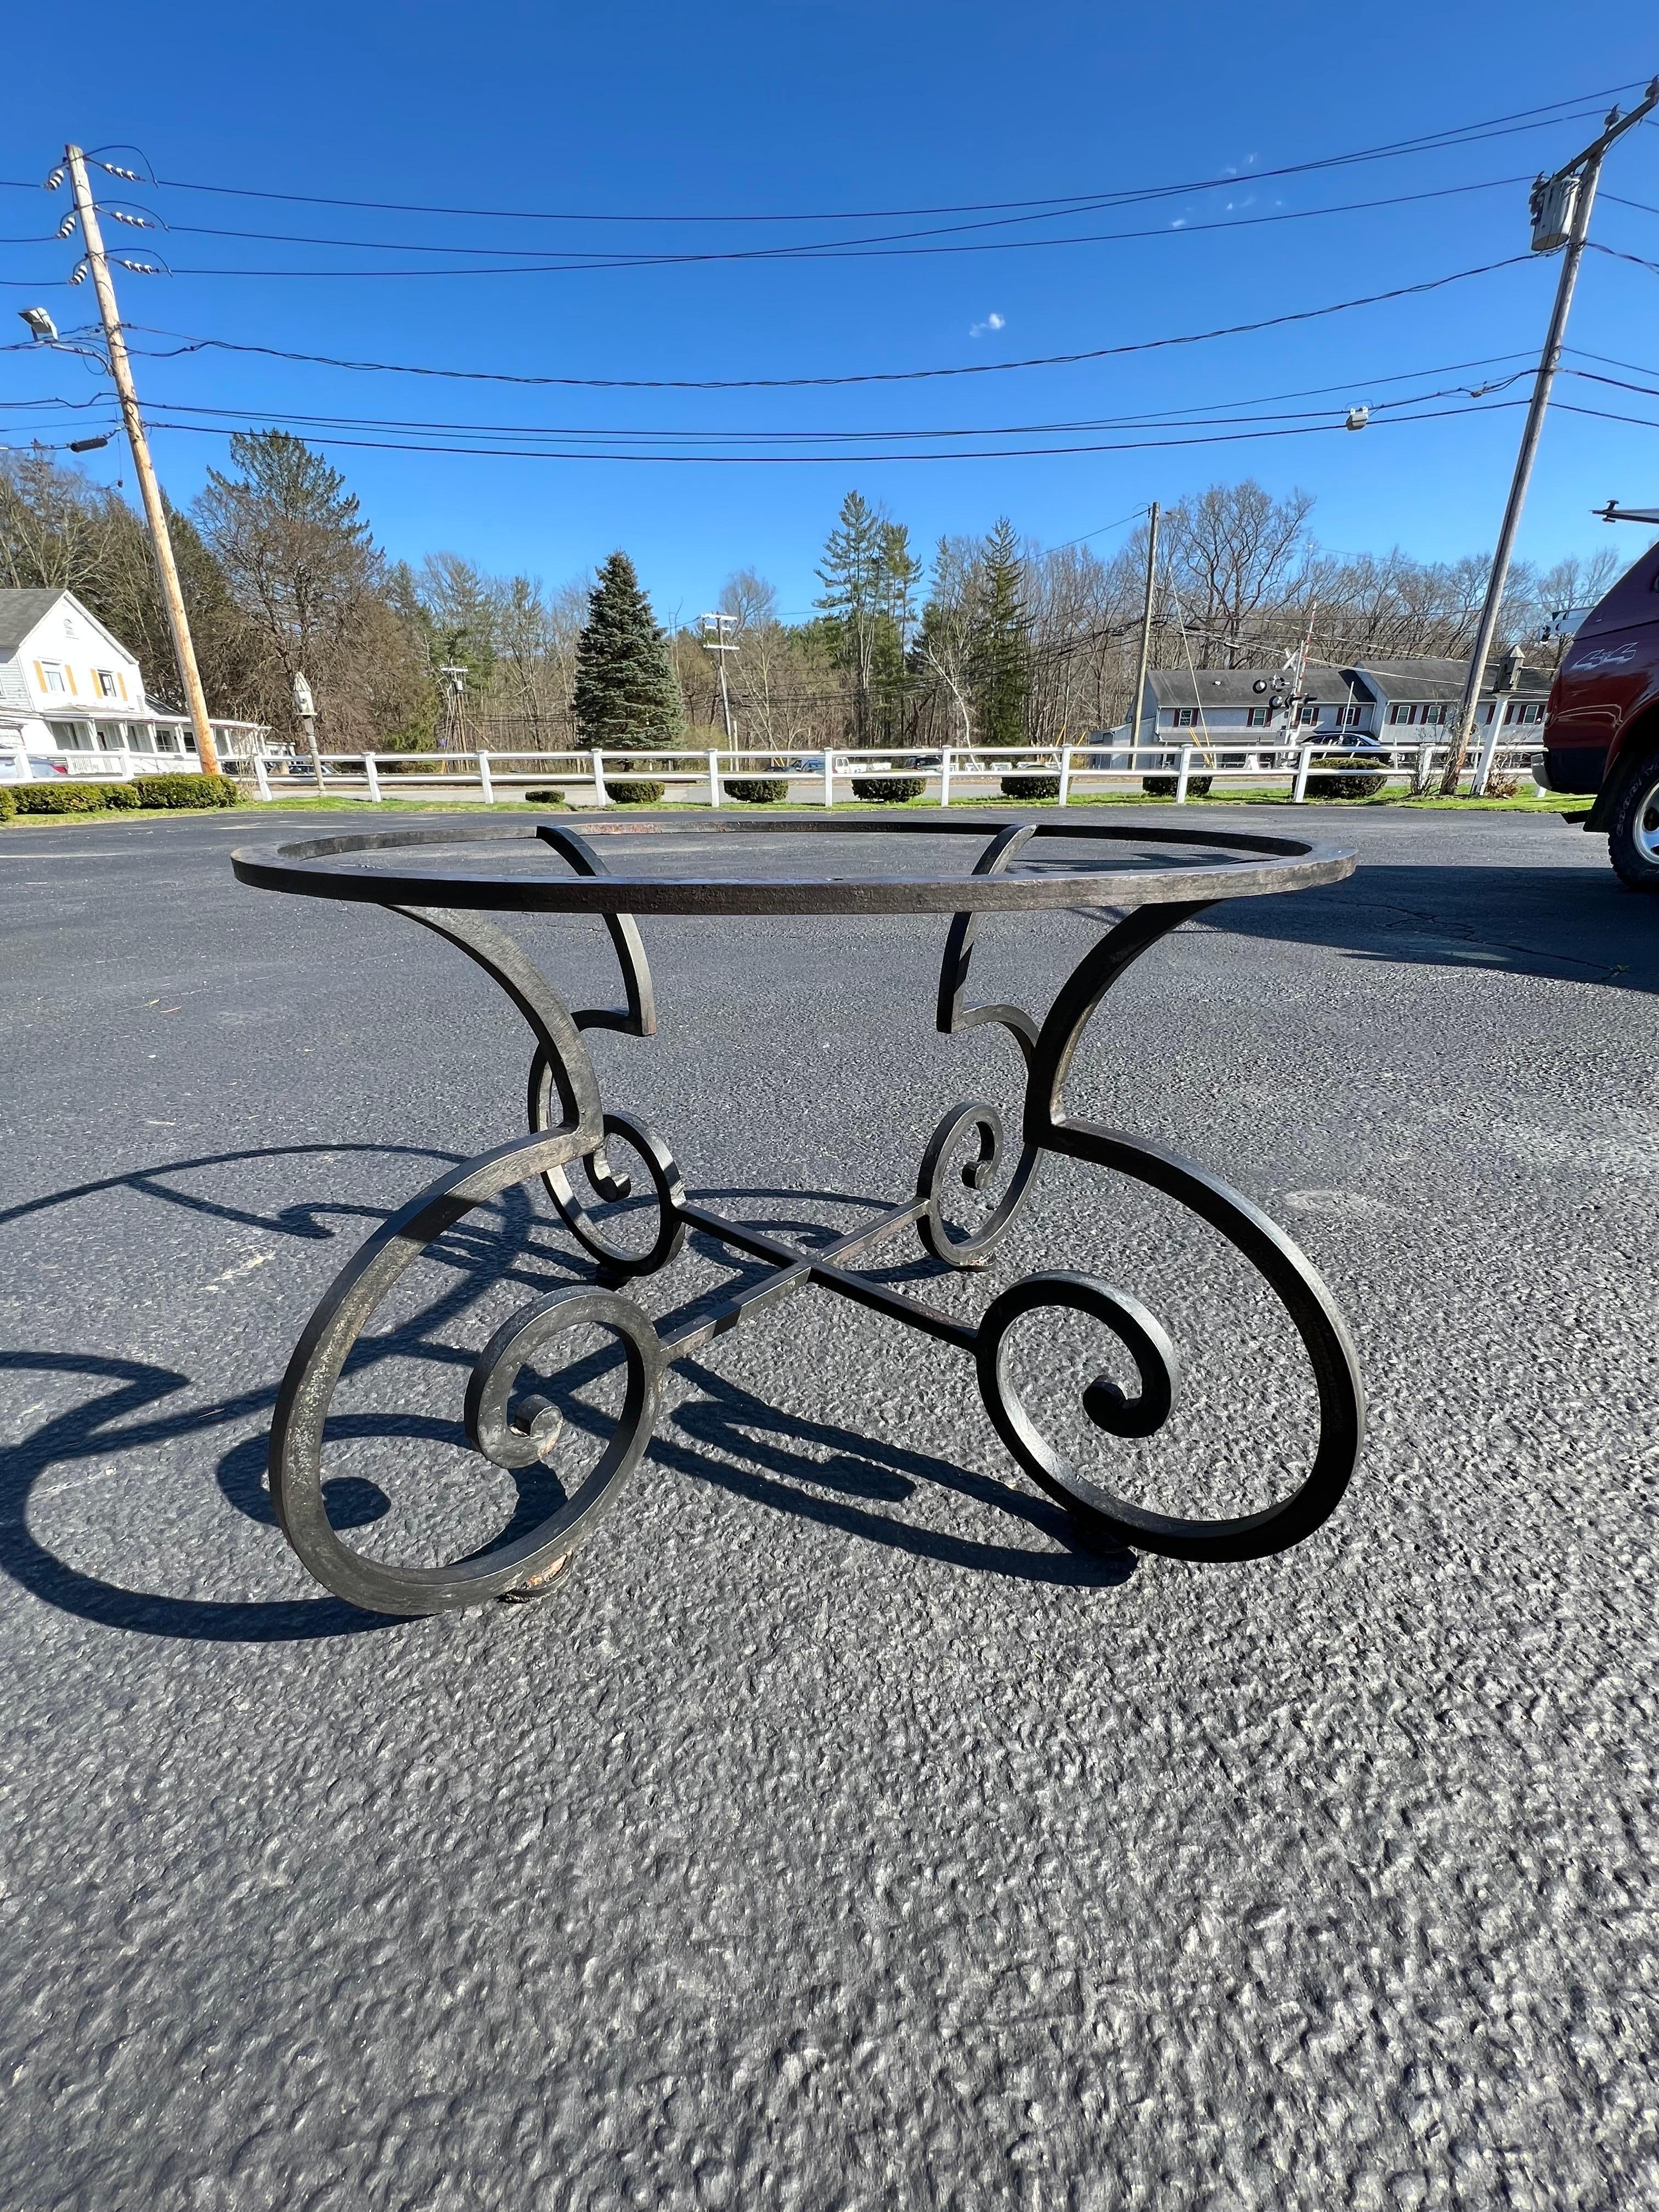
(657, 110)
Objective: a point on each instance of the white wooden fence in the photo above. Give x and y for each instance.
(825, 778)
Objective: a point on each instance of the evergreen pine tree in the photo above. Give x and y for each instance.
(626, 693)
(1000, 650)
(851, 575)
(870, 576)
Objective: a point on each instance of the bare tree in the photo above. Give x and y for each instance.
(1234, 553)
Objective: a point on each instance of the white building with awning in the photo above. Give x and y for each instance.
(72, 699)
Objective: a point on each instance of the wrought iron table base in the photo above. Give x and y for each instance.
(569, 1126)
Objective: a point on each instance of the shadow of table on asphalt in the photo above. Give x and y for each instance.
(733, 1438)
(1570, 924)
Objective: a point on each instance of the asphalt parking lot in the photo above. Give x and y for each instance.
(837, 1833)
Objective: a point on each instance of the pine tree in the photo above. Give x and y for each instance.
(870, 576)
(851, 574)
(1000, 650)
(626, 693)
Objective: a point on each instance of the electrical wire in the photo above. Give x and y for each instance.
(1056, 205)
(1208, 415)
(790, 460)
(1611, 360)
(1452, 135)
(1612, 253)
(191, 345)
(1647, 391)
(1105, 529)
(1604, 414)
(875, 249)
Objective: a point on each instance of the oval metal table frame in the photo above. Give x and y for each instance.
(435, 877)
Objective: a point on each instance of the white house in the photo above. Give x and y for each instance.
(1413, 695)
(1392, 703)
(72, 699)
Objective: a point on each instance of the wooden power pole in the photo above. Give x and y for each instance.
(155, 513)
(1145, 627)
(1561, 208)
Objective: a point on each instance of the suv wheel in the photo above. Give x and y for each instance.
(1633, 832)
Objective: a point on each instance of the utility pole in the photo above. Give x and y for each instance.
(1561, 207)
(1294, 704)
(306, 708)
(454, 674)
(120, 369)
(716, 629)
(1146, 628)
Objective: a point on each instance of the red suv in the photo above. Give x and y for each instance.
(1601, 725)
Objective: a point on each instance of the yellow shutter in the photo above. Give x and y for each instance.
(122, 681)
(39, 676)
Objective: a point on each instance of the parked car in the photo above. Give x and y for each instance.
(1602, 725)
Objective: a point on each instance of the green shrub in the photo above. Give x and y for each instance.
(636, 791)
(58, 797)
(1351, 779)
(544, 798)
(1030, 787)
(8, 806)
(191, 792)
(888, 790)
(758, 790)
(1164, 787)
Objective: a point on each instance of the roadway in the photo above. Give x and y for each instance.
(838, 1833)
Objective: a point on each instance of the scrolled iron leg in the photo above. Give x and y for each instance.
(1294, 1281)
(510, 1437)
(1312, 1312)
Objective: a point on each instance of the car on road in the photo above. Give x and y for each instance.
(1602, 725)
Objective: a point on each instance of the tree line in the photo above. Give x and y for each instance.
(994, 640)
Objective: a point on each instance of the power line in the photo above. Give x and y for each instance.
(1531, 118)
(839, 460)
(190, 345)
(1066, 544)
(877, 249)
(1208, 416)
(1612, 253)
(1604, 414)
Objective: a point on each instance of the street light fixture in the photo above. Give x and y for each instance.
(39, 323)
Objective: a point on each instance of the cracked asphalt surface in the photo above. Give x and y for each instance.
(836, 1832)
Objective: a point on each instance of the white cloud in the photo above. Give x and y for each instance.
(1179, 223)
(992, 322)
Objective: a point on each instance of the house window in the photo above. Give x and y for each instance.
(1347, 718)
(1310, 714)
(70, 737)
(51, 677)
(106, 681)
(1397, 714)
(1186, 717)
(1257, 718)
(164, 741)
